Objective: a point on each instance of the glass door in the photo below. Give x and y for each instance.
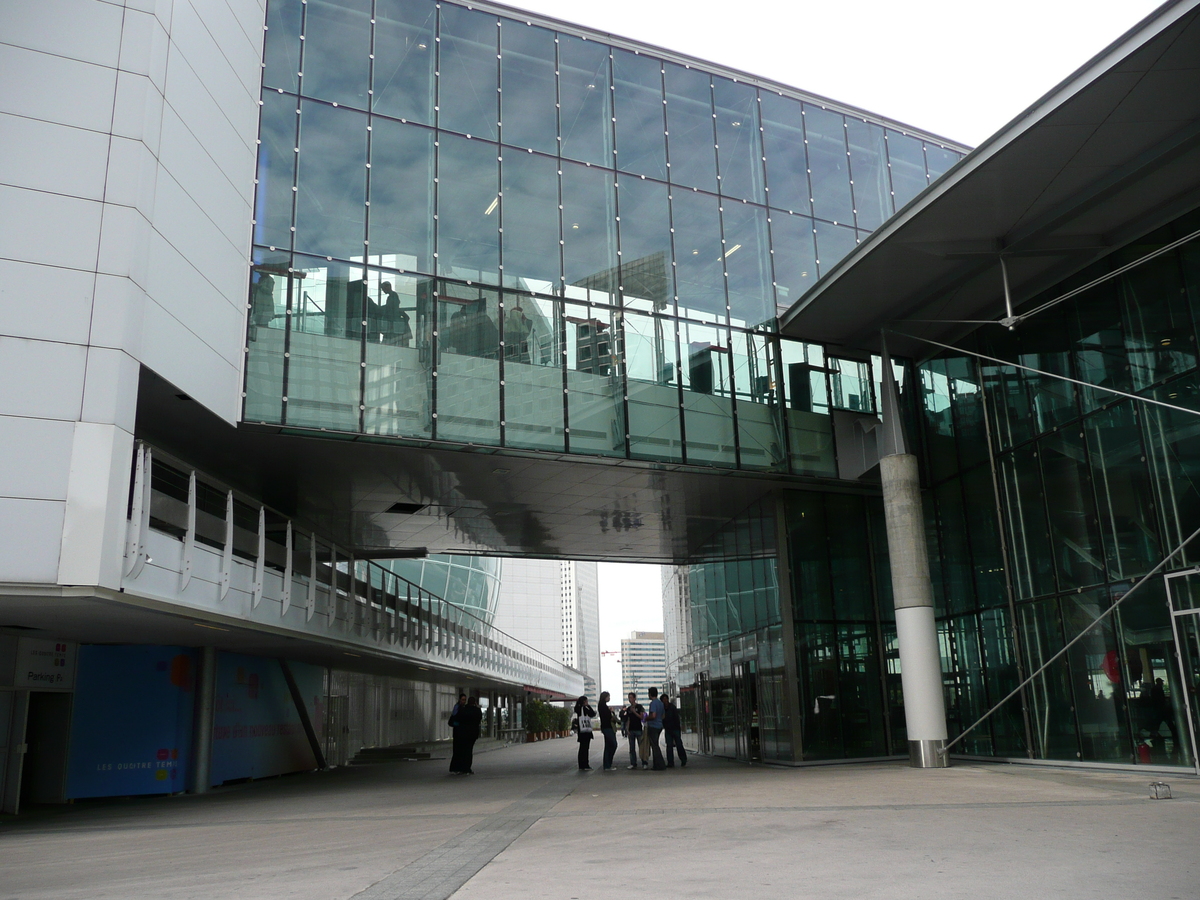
(746, 728)
(1183, 595)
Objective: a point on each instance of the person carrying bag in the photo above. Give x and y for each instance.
(583, 719)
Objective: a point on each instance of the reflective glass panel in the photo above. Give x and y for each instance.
(760, 424)
(268, 323)
(589, 230)
(806, 394)
(468, 72)
(594, 395)
(850, 384)
(787, 156)
(398, 380)
(653, 387)
(468, 364)
(468, 209)
(1124, 490)
(1073, 523)
(528, 94)
(1050, 692)
(638, 108)
(405, 51)
(332, 180)
(401, 215)
(533, 373)
(707, 394)
(276, 171)
(747, 261)
(583, 91)
(906, 159)
(1021, 489)
(739, 144)
(868, 169)
(795, 256)
(833, 243)
(530, 207)
(647, 276)
(939, 160)
(699, 275)
(691, 141)
(326, 345)
(281, 50)
(337, 51)
(1157, 316)
(827, 162)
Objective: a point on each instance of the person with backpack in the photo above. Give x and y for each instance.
(673, 733)
(631, 727)
(583, 725)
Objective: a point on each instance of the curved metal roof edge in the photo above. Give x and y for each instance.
(674, 56)
(1083, 77)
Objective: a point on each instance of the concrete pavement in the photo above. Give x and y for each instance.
(529, 825)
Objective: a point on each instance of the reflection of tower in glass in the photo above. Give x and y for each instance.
(468, 582)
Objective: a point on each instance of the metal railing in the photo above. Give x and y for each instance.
(337, 592)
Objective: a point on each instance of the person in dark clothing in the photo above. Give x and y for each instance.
(654, 727)
(466, 733)
(673, 733)
(584, 714)
(631, 721)
(609, 731)
(457, 765)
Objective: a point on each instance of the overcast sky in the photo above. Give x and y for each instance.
(958, 68)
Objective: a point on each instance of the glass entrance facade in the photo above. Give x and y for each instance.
(1045, 502)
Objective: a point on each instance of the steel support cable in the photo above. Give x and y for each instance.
(1075, 640)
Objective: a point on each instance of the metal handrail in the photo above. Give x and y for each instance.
(441, 626)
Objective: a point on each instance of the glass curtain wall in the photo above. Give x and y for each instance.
(1086, 492)
(736, 697)
(469, 228)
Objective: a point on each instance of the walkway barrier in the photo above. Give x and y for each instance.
(333, 593)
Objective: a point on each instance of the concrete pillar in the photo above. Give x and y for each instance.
(916, 630)
(202, 729)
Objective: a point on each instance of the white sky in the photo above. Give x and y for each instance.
(630, 600)
(958, 68)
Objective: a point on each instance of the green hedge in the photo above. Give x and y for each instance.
(541, 716)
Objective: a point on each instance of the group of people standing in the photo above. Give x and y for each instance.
(643, 728)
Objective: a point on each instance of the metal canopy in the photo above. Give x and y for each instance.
(1110, 154)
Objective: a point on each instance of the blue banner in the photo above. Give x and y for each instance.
(131, 727)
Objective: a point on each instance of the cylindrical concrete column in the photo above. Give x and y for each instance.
(202, 723)
(916, 630)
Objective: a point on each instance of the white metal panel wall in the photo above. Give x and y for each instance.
(127, 148)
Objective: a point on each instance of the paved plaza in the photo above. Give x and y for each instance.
(529, 825)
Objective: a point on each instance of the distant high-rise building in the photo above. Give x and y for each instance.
(643, 663)
(554, 606)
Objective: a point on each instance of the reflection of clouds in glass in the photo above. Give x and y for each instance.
(330, 213)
